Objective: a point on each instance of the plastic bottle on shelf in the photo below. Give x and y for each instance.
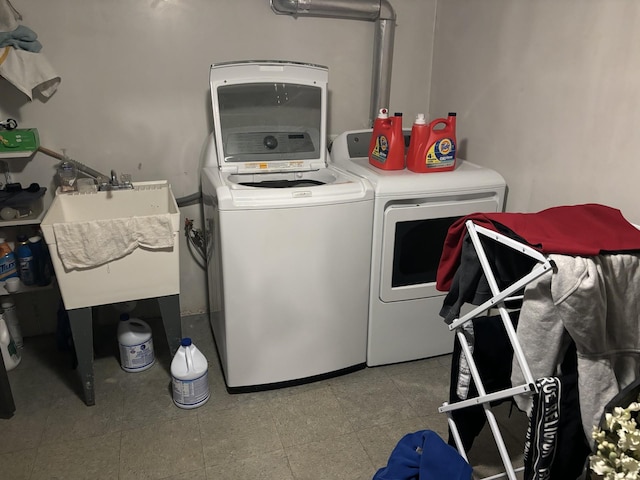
(7, 261)
(41, 261)
(11, 319)
(189, 376)
(26, 264)
(67, 174)
(10, 353)
(135, 343)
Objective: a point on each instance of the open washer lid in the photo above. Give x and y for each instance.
(269, 116)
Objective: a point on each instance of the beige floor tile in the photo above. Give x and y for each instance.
(269, 466)
(415, 366)
(236, 434)
(199, 474)
(148, 398)
(220, 399)
(424, 387)
(372, 403)
(160, 450)
(17, 465)
(96, 458)
(303, 432)
(71, 419)
(49, 372)
(309, 416)
(23, 431)
(365, 375)
(380, 441)
(337, 458)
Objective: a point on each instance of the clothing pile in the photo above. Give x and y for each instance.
(577, 324)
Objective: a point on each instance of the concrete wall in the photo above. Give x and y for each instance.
(135, 98)
(547, 93)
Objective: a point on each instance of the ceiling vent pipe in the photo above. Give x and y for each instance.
(379, 11)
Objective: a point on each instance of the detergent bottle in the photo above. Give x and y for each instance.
(438, 153)
(419, 139)
(386, 149)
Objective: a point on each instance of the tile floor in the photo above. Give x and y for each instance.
(342, 428)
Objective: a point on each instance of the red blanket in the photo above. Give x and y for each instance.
(581, 230)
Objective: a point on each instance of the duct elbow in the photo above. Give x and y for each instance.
(284, 7)
(386, 11)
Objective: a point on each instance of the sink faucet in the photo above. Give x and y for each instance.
(113, 183)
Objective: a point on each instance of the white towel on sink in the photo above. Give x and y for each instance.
(96, 242)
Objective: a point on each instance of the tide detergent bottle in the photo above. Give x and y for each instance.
(435, 149)
(386, 148)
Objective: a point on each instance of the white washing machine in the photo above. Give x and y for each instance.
(412, 213)
(288, 236)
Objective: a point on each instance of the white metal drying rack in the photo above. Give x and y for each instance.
(496, 301)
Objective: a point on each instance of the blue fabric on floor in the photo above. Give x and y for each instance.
(424, 455)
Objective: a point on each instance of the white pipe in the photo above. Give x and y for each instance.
(379, 11)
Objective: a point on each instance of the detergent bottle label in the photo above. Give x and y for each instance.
(441, 154)
(380, 151)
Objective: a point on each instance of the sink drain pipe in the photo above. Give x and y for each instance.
(379, 11)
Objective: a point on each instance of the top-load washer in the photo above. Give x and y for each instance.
(412, 213)
(288, 236)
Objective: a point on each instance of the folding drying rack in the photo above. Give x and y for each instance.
(496, 301)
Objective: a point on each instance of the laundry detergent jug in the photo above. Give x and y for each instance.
(435, 149)
(386, 148)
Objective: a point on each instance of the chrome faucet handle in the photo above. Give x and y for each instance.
(125, 178)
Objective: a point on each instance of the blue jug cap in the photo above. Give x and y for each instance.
(185, 342)
(124, 317)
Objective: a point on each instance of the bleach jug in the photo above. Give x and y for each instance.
(11, 319)
(10, 354)
(386, 148)
(189, 376)
(135, 344)
(438, 152)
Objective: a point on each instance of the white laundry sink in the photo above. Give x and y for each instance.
(143, 273)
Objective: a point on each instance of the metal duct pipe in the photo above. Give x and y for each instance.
(379, 11)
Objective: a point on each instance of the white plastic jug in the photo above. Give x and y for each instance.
(11, 319)
(189, 376)
(136, 344)
(10, 353)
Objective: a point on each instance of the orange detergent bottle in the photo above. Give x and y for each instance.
(435, 149)
(386, 148)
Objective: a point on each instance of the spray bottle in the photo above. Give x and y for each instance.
(386, 149)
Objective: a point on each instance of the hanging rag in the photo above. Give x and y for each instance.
(424, 455)
(22, 38)
(21, 62)
(93, 243)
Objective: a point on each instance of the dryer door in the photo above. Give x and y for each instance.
(413, 237)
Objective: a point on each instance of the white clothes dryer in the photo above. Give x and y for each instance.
(412, 213)
(288, 236)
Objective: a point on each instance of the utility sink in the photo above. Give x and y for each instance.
(143, 273)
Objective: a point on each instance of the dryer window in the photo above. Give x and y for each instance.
(417, 250)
